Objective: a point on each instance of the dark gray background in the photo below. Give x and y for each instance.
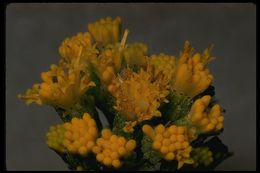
(35, 31)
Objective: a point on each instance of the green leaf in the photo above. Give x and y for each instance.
(85, 104)
(177, 108)
(153, 157)
(118, 125)
(103, 99)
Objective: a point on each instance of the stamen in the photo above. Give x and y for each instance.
(123, 41)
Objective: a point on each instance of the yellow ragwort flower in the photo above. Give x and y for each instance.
(137, 96)
(206, 121)
(172, 142)
(110, 148)
(59, 88)
(191, 77)
(106, 30)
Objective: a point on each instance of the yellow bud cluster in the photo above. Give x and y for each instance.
(80, 135)
(106, 30)
(163, 63)
(55, 137)
(110, 148)
(191, 77)
(206, 121)
(172, 142)
(202, 155)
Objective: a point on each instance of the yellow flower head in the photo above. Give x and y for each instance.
(70, 47)
(172, 142)
(137, 96)
(164, 64)
(59, 88)
(80, 135)
(206, 121)
(55, 137)
(135, 54)
(78, 48)
(108, 62)
(191, 77)
(106, 30)
(110, 148)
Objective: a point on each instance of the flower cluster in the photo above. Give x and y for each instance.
(61, 86)
(55, 137)
(77, 136)
(191, 76)
(172, 142)
(110, 148)
(137, 96)
(163, 63)
(209, 121)
(106, 31)
(159, 107)
(80, 135)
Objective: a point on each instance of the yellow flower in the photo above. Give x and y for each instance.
(55, 137)
(172, 142)
(59, 88)
(107, 63)
(32, 95)
(110, 148)
(80, 135)
(206, 121)
(137, 96)
(70, 47)
(135, 54)
(163, 63)
(78, 48)
(191, 77)
(106, 30)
